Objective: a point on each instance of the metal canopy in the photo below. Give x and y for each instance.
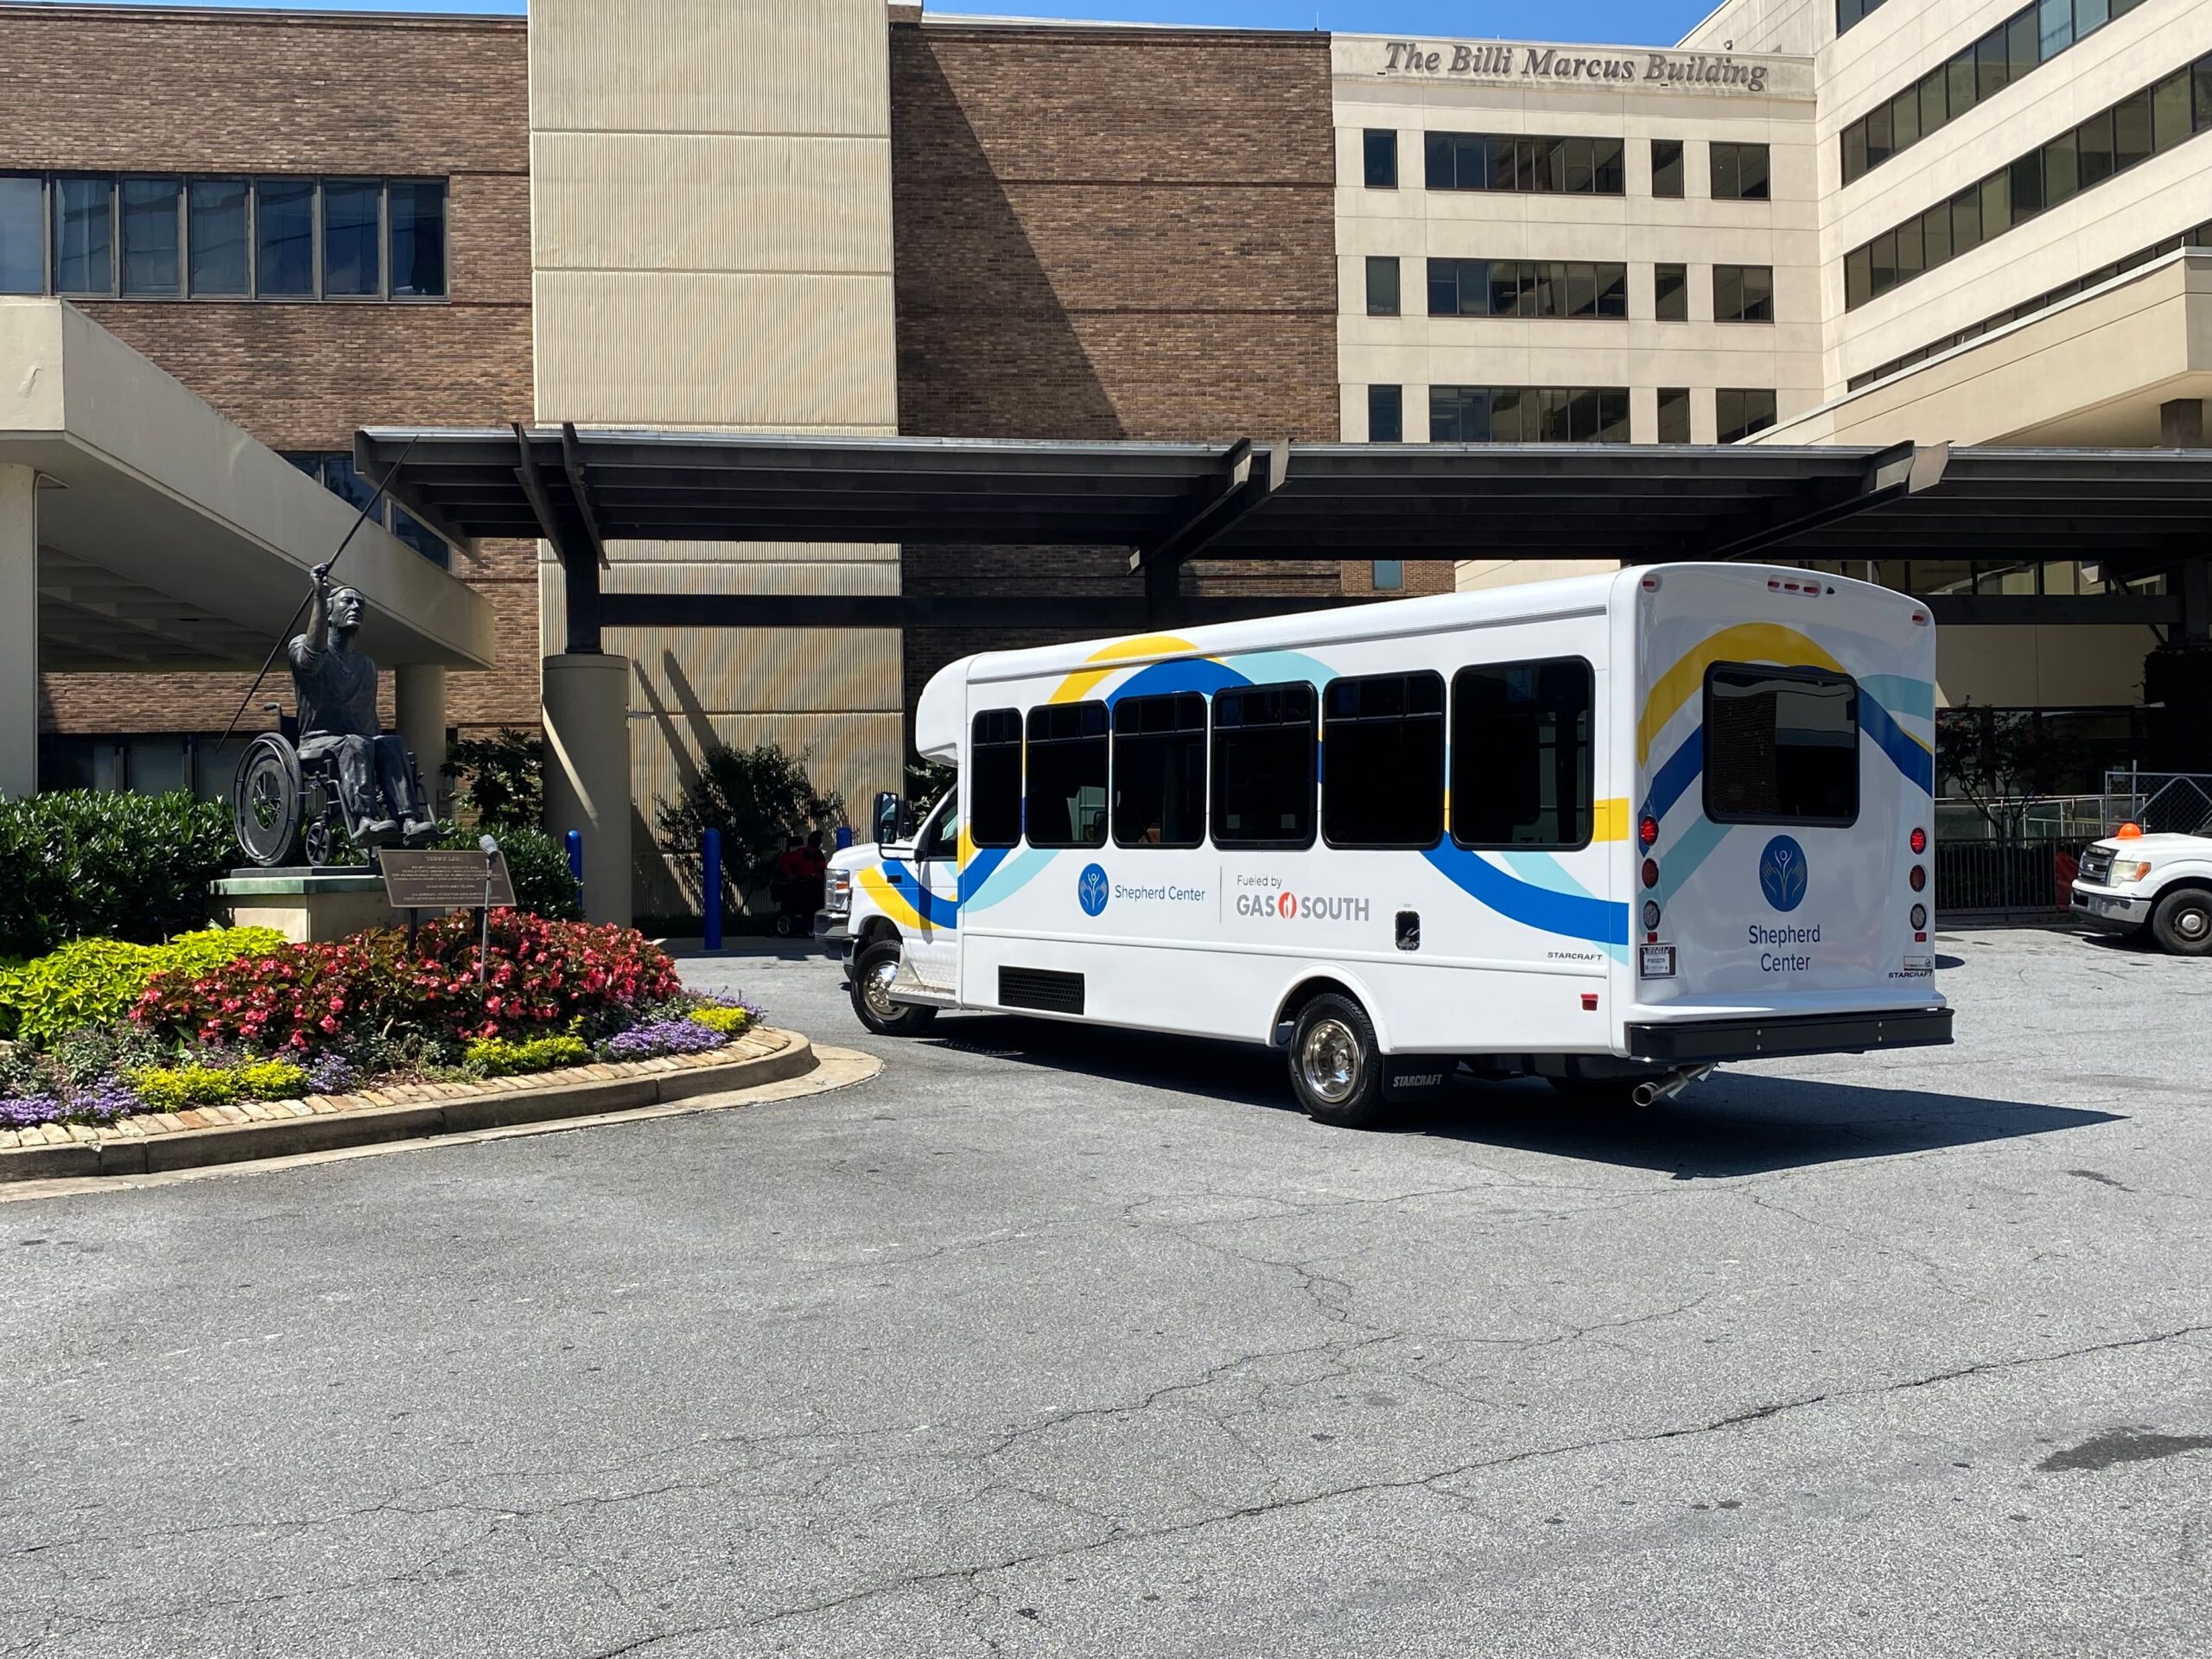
(1167, 502)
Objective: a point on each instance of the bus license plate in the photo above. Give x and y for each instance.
(1657, 962)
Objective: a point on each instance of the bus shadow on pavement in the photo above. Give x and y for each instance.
(1731, 1124)
(1742, 1124)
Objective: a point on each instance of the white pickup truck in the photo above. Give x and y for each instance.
(2134, 881)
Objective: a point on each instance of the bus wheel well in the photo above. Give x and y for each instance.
(1305, 991)
(876, 927)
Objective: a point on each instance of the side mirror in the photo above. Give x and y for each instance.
(893, 821)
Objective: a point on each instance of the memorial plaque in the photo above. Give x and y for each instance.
(443, 881)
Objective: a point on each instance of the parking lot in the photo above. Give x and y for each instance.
(1059, 1341)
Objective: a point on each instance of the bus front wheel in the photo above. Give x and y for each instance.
(873, 971)
(1336, 1067)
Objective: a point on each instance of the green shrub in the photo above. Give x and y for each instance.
(501, 779)
(180, 1087)
(756, 799)
(728, 1022)
(86, 863)
(497, 1057)
(537, 864)
(91, 984)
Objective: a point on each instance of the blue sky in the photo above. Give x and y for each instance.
(1633, 22)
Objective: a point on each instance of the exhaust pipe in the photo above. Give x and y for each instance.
(1666, 1088)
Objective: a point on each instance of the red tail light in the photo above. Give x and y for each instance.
(1647, 832)
(1919, 877)
(1651, 872)
(1919, 842)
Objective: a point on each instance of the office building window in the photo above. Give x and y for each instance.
(217, 209)
(1666, 167)
(1383, 738)
(1386, 414)
(1739, 172)
(1382, 286)
(1739, 413)
(1528, 414)
(83, 242)
(1522, 162)
(22, 235)
(1670, 292)
(2032, 36)
(1380, 149)
(1388, 576)
(1527, 288)
(101, 236)
(2200, 236)
(1848, 12)
(1674, 415)
(1742, 294)
(334, 470)
(2147, 123)
(152, 235)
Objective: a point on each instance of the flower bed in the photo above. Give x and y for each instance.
(209, 1026)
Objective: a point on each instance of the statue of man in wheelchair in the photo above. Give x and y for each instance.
(345, 778)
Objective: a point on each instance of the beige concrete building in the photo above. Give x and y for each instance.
(710, 214)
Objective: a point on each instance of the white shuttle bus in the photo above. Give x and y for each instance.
(1609, 831)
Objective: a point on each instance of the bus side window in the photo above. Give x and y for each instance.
(1382, 744)
(1067, 775)
(1522, 767)
(1159, 770)
(995, 778)
(1263, 774)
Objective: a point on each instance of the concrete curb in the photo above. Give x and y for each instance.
(87, 1154)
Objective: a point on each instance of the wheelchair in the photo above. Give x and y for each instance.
(283, 807)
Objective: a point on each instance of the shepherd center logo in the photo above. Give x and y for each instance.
(1782, 873)
(1092, 889)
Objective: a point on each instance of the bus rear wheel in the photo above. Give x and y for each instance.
(873, 971)
(1336, 1067)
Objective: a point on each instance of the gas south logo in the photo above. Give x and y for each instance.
(1291, 907)
(1782, 874)
(1092, 889)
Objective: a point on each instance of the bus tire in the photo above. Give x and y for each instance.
(873, 971)
(2182, 922)
(1336, 1065)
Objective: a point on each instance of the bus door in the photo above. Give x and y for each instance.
(933, 953)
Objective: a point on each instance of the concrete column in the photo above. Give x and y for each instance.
(419, 692)
(2181, 424)
(18, 632)
(587, 771)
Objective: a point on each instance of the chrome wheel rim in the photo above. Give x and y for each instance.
(1328, 1061)
(2193, 922)
(875, 988)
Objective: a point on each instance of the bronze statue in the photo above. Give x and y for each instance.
(335, 688)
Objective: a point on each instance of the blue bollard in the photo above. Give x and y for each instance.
(710, 878)
(575, 840)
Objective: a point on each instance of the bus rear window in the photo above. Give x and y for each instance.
(1781, 745)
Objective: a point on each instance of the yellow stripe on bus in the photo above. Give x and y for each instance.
(1077, 686)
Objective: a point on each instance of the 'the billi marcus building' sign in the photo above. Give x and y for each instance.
(1657, 71)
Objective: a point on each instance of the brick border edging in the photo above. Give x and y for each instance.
(410, 1112)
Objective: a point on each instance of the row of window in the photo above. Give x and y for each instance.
(1151, 772)
(2133, 130)
(1538, 163)
(1569, 288)
(1848, 12)
(334, 470)
(1560, 415)
(2033, 35)
(2199, 238)
(98, 236)
(1364, 762)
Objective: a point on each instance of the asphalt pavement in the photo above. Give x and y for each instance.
(1056, 1341)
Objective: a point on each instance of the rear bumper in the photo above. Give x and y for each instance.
(1697, 1042)
(2117, 913)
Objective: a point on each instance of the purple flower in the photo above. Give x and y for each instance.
(27, 1111)
(104, 1101)
(332, 1074)
(659, 1037)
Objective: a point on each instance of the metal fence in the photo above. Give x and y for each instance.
(1994, 876)
(2162, 802)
